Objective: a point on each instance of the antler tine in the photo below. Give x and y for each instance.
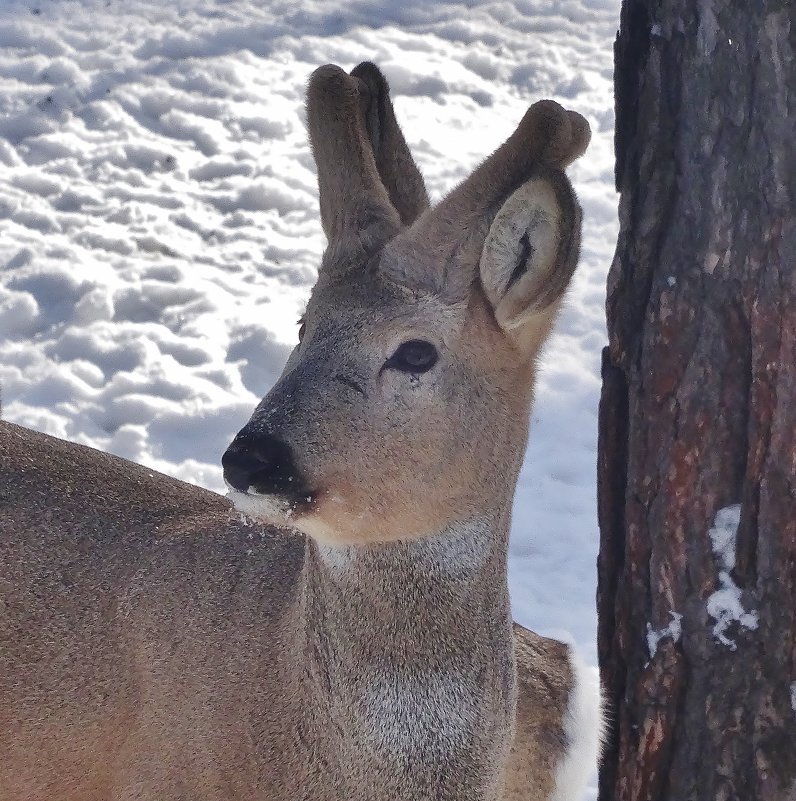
(353, 200)
(394, 161)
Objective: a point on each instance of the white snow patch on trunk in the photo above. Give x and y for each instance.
(723, 535)
(724, 605)
(673, 630)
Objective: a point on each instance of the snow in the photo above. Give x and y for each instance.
(724, 604)
(793, 696)
(725, 607)
(674, 630)
(723, 535)
(159, 231)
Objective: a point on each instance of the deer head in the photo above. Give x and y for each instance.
(404, 407)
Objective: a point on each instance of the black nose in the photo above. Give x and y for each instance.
(262, 463)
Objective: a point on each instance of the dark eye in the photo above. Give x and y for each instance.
(415, 356)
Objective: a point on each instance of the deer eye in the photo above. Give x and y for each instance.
(414, 356)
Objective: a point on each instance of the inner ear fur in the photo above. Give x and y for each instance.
(531, 250)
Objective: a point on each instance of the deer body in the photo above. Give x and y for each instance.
(357, 642)
(138, 657)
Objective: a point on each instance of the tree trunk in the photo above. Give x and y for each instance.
(697, 626)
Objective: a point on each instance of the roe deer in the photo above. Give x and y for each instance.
(355, 643)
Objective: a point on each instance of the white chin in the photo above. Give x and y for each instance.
(265, 508)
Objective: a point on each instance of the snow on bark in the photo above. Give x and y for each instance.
(673, 630)
(725, 605)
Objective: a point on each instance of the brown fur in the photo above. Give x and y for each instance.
(155, 646)
(544, 681)
(138, 656)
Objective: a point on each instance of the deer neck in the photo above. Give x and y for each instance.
(428, 620)
(410, 590)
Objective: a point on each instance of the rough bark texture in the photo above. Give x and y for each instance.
(698, 410)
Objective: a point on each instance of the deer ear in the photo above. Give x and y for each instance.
(531, 250)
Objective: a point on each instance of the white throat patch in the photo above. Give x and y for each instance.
(407, 715)
(454, 554)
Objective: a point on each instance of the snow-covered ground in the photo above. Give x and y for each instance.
(159, 228)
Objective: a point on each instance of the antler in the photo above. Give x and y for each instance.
(394, 161)
(353, 201)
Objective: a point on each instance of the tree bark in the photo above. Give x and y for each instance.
(697, 644)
